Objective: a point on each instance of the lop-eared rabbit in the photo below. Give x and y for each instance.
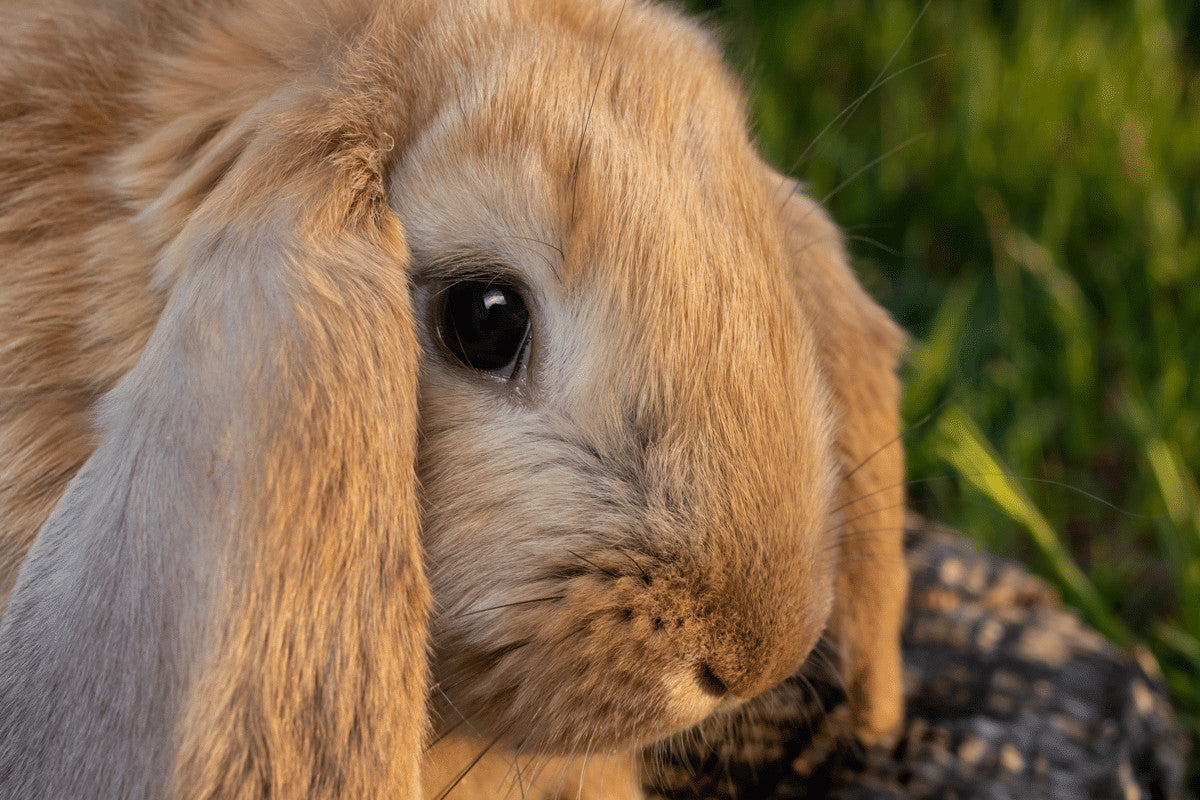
(387, 383)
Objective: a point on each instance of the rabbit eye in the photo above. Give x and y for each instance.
(485, 325)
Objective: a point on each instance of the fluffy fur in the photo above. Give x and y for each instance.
(235, 461)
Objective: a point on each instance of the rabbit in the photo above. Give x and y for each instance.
(396, 388)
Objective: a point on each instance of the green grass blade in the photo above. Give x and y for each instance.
(965, 448)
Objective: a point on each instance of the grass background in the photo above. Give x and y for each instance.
(1021, 189)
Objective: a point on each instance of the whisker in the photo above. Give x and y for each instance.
(540, 765)
(446, 731)
(847, 112)
(923, 421)
(880, 79)
(850, 536)
(496, 654)
(510, 605)
(833, 676)
(844, 521)
(445, 792)
(875, 558)
(891, 251)
(636, 563)
(535, 240)
(587, 120)
(578, 629)
(458, 681)
(817, 706)
(583, 772)
(864, 226)
(562, 778)
(869, 165)
(532, 732)
(603, 769)
(516, 782)
(1011, 476)
(888, 488)
(607, 572)
(462, 720)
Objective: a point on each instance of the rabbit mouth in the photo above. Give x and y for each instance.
(621, 652)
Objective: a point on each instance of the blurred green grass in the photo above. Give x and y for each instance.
(1039, 239)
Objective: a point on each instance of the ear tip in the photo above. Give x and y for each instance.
(876, 694)
(877, 714)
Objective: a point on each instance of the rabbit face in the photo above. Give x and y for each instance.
(625, 501)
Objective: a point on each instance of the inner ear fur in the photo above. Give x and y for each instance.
(229, 599)
(859, 347)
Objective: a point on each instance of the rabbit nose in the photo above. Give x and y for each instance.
(744, 670)
(745, 680)
(710, 684)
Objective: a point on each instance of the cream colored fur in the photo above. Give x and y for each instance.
(235, 462)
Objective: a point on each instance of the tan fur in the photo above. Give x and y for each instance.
(223, 229)
(608, 774)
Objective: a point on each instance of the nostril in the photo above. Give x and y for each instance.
(746, 672)
(710, 684)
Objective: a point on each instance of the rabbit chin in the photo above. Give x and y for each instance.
(690, 704)
(678, 704)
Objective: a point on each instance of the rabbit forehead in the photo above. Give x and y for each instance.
(626, 166)
(570, 80)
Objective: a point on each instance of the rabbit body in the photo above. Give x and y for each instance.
(239, 454)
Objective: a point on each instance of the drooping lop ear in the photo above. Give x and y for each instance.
(859, 346)
(229, 601)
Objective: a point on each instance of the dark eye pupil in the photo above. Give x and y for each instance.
(484, 324)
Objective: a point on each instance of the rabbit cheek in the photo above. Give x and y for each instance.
(612, 662)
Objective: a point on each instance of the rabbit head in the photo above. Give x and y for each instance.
(633, 511)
